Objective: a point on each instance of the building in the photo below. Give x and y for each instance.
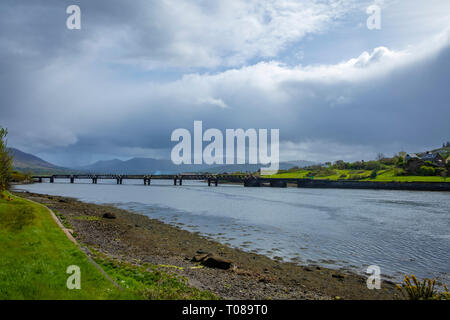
(411, 156)
(434, 158)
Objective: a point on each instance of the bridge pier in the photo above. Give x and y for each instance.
(72, 179)
(181, 181)
(174, 181)
(301, 183)
(40, 180)
(252, 183)
(209, 182)
(52, 179)
(216, 182)
(278, 184)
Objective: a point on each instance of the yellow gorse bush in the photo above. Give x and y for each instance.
(413, 289)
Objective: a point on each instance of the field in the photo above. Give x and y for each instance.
(363, 175)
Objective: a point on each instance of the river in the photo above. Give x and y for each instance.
(399, 231)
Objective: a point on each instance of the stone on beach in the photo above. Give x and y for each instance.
(109, 215)
(213, 261)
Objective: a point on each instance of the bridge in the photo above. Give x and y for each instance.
(247, 179)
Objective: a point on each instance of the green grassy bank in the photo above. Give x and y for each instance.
(363, 175)
(35, 254)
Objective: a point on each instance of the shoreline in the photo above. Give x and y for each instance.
(429, 186)
(138, 239)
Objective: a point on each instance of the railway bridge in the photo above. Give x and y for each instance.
(247, 180)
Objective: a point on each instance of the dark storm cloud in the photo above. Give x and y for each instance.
(87, 94)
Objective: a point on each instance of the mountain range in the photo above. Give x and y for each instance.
(26, 162)
(155, 166)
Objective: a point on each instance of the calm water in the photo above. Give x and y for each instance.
(400, 231)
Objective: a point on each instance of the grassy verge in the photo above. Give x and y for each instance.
(35, 254)
(363, 175)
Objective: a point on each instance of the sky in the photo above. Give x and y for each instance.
(137, 70)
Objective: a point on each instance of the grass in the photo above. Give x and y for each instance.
(149, 281)
(364, 175)
(35, 254)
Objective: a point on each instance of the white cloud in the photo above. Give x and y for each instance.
(187, 34)
(213, 102)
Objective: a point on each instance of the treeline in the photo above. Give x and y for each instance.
(401, 166)
(7, 174)
(5, 162)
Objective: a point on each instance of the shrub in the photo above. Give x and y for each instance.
(5, 161)
(373, 174)
(399, 172)
(400, 162)
(421, 290)
(427, 171)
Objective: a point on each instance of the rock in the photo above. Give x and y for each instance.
(338, 276)
(200, 257)
(109, 215)
(277, 258)
(214, 261)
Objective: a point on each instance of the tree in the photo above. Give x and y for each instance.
(373, 174)
(400, 162)
(380, 156)
(5, 161)
(340, 164)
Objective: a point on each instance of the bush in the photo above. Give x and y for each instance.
(373, 174)
(399, 172)
(5, 162)
(400, 162)
(421, 290)
(427, 171)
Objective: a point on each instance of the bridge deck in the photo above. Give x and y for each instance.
(247, 179)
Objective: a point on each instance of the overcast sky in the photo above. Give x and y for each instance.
(139, 69)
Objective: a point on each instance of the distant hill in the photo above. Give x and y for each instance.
(255, 167)
(26, 162)
(155, 166)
